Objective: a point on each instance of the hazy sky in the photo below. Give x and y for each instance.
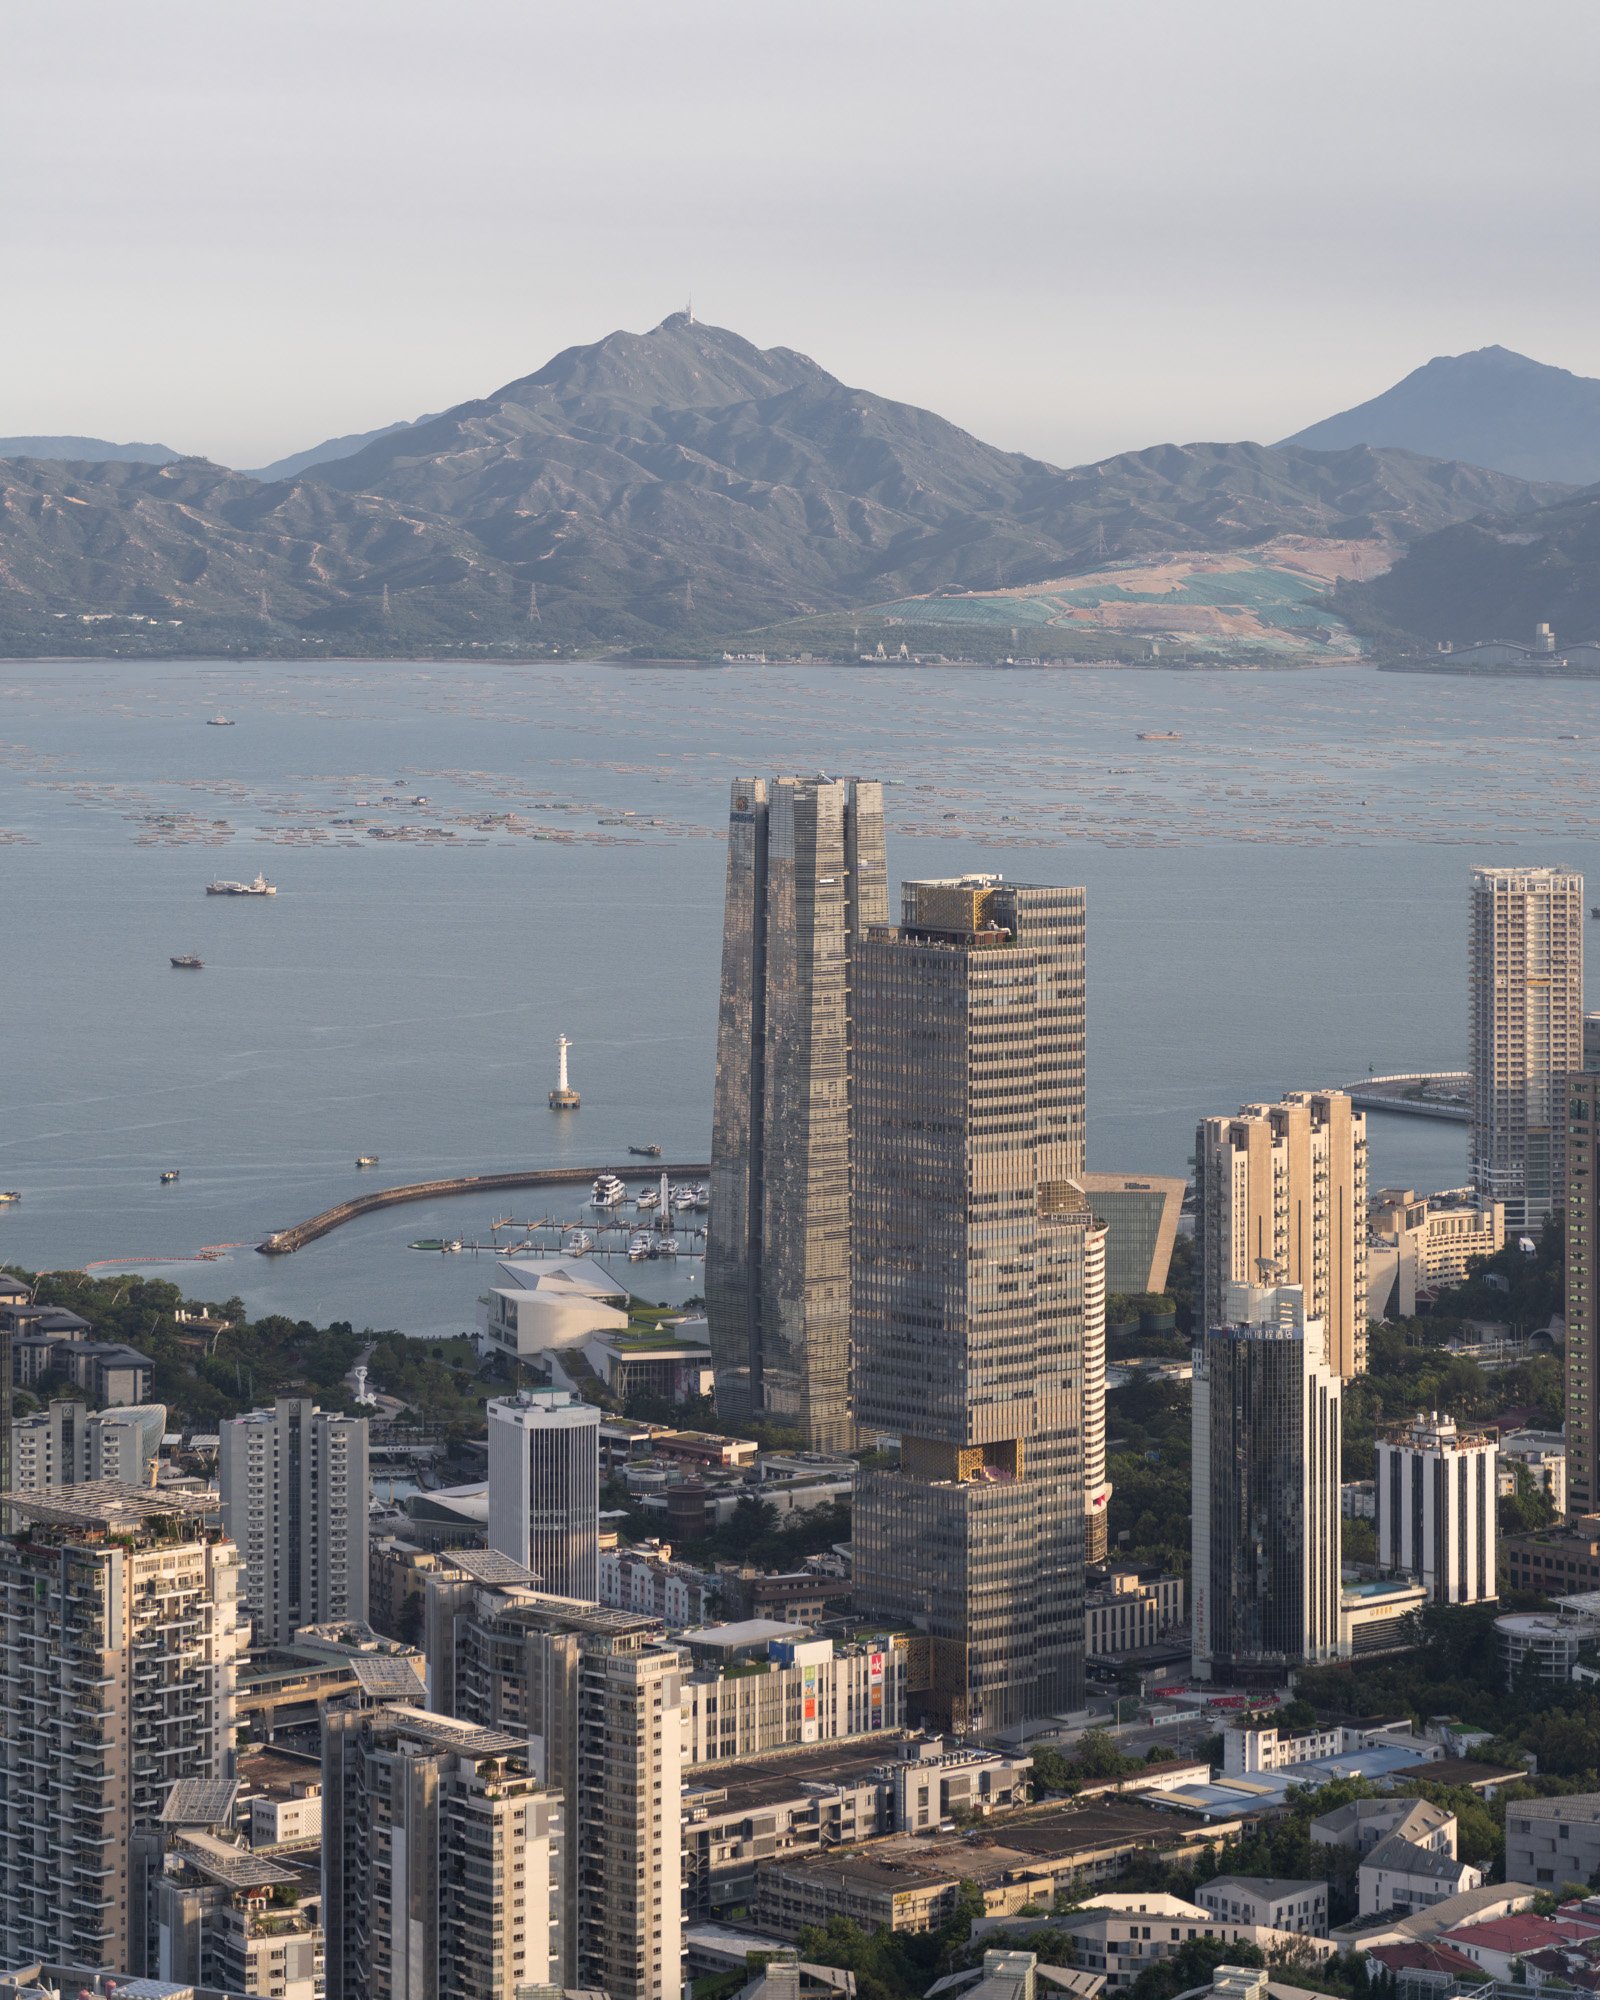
(238, 226)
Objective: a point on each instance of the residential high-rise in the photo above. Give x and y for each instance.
(1436, 1493)
(544, 1488)
(441, 1859)
(1525, 1024)
(1581, 1111)
(597, 1693)
(227, 1918)
(294, 1498)
(120, 1634)
(1096, 1486)
(971, 1239)
(1265, 1587)
(806, 877)
(1281, 1199)
(66, 1443)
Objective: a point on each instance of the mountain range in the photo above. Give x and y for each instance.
(1490, 407)
(674, 489)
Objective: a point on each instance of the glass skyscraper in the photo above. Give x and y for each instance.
(806, 877)
(970, 1239)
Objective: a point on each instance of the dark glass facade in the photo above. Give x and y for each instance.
(969, 1250)
(806, 876)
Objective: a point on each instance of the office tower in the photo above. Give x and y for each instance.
(806, 876)
(544, 1488)
(1096, 1486)
(1266, 1533)
(1281, 1199)
(120, 1633)
(597, 1693)
(1581, 1107)
(1525, 1026)
(65, 1443)
(441, 1859)
(1436, 1490)
(294, 1498)
(971, 1241)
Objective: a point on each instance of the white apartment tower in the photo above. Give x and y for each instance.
(1096, 1486)
(120, 1635)
(598, 1693)
(66, 1443)
(1266, 1524)
(1435, 1490)
(1525, 1023)
(544, 1489)
(1282, 1200)
(441, 1860)
(294, 1498)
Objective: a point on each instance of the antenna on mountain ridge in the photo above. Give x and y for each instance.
(690, 313)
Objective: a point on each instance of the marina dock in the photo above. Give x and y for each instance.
(284, 1242)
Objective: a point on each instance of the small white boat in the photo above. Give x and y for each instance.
(366, 1159)
(579, 1243)
(664, 1246)
(451, 1247)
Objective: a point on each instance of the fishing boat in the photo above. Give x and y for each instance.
(10, 1194)
(645, 1152)
(259, 887)
(219, 722)
(169, 1176)
(366, 1159)
(1159, 736)
(188, 963)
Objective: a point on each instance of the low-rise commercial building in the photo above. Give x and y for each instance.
(910, 1882)
(1267, 1900)
(1126, 1610)
(1425, 1242)
(801, 1690)
(1556, 1560)
(1378, 1615)
(1552, 1841)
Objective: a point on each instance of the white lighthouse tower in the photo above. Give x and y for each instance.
(563, 1097)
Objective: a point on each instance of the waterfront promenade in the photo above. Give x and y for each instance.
(284, 1242)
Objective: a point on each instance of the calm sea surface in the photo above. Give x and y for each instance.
(1277, 899)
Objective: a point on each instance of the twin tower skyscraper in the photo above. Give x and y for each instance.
(900, 1241)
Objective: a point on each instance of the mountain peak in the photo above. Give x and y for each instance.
(1490, 406)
